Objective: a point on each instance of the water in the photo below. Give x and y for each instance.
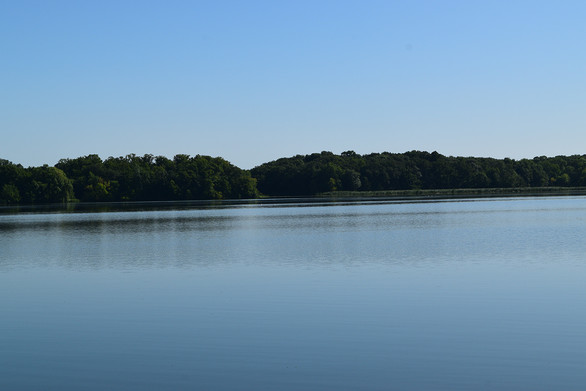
(449, 295)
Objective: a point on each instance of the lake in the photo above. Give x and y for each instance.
(465, 294)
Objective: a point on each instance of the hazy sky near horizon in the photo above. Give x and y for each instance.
(252, 81)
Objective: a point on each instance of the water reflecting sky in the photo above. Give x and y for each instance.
(467, 294)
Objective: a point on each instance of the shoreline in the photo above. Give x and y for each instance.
(441, 193)
(338, 196)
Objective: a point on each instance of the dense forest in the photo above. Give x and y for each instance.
(129, 178)
(326, 172)
(150, 178)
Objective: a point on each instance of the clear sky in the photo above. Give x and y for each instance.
(252, 81)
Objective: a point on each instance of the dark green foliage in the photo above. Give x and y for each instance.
(323, 172)
(33, 185)
(157, 178)
(49, 184)
(150, 178)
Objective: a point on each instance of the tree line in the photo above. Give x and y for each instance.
(150, 178)
(128, 178)
(327, 172)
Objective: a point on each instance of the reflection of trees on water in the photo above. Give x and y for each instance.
(320, 234)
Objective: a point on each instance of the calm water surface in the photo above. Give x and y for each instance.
(450, 295)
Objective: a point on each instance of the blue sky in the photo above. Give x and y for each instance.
(253, 81)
